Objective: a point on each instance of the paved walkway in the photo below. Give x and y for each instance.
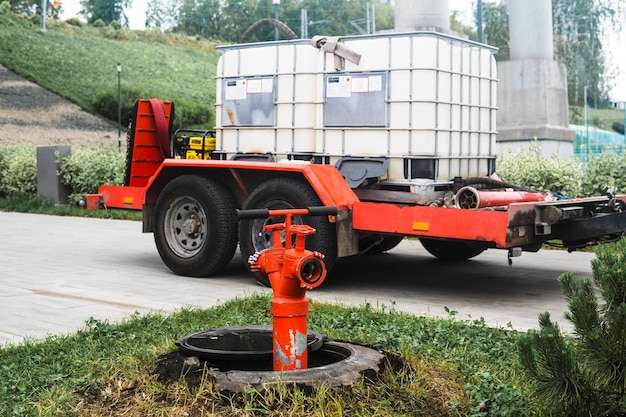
(57, 272)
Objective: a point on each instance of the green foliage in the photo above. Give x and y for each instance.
(603, 171)
(496, 28)
(579, 27)
(228, 20)
(529, 168)
(85, 170)
(115, 25)
(74, 22)
(98, 23)
(106, 11)
(102, 358)
(170, 67)
(585, 375)
(106, 104)
(18, 169)
(187, 114)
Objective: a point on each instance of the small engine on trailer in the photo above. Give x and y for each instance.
(193, 144)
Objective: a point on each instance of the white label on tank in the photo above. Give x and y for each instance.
(235, 90)
(267, 85)
(338, 87)
(254, 86)
(375, 83)
(360, 84)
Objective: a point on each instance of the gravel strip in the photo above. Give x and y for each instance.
(31, 114)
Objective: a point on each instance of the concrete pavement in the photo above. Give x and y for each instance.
(57, 272)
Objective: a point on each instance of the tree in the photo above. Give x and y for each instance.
(585, 375)
(200, 17)
(106, 10)
(162, 14)
(496, 28)
(457, 26)
(227, 20)
(579, 27)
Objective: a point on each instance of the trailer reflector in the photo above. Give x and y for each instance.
(421, 226)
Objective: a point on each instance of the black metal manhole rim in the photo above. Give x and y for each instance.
(197, 344)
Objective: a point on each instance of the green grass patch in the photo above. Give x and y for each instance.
(28, 203)
(451, 368)
(80, 64)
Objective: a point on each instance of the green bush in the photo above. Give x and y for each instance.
(186, 114)
(191, 115)
(99, 23)
(85, 170)
(18, 169)
(106, 104)
(115, 25)
(74, 22)
(585, 375)
(603, 171)
(529, 168)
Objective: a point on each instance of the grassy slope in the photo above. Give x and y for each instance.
(80, 63)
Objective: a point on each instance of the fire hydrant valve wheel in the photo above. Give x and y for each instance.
(195, 226)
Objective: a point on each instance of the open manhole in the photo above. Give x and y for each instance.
(238, 358)
(244, 347)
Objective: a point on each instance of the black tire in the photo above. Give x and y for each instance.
(375, 244)
(195, 226)
(452, 250)
(284, 193)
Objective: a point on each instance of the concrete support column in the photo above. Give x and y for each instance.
(532, 88)
(413, 15)
(530, 29)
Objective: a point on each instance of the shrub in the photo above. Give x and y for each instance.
(192, 115)
(85, 170)
(115, 25)
(18, 170)
(74, 22)
(603, 171)
(106, 104)
(585, 375)
(99, 23)
(529, 168)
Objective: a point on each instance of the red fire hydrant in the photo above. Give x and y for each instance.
(291, 272)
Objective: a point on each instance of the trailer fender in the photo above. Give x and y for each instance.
(241, 178)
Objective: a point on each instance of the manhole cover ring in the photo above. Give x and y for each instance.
(238, 343)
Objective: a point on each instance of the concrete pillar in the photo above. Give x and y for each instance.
(532, 87)
(413, 15)
(530, 29)
(48, 183)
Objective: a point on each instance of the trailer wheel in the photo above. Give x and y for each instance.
(452, 250)
(285, 193)
(375, 244)
(195, 226)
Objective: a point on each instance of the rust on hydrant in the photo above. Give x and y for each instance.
(291, 272)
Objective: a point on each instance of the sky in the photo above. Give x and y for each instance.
(613, 46)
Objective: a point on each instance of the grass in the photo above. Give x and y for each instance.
(600, 118)
(25, 203)
(167, 67)
(451, 366)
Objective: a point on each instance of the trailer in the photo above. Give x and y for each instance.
(397, 131)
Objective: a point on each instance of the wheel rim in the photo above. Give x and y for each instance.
(185, 226)
(262, 239)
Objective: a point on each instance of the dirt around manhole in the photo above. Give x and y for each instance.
(33, 115)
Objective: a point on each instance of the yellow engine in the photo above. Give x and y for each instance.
(193, 147)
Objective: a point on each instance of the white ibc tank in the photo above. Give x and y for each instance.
(424, 101)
